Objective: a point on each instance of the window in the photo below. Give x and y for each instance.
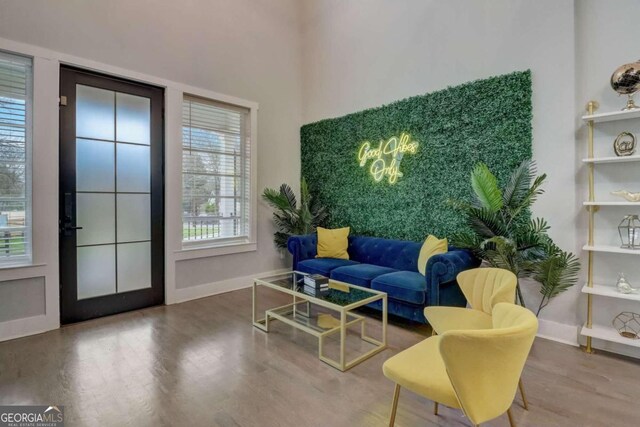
(15, 158)
(216, 182)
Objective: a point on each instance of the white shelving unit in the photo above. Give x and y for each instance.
(592, 290)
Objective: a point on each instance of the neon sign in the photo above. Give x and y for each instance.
(387, 156)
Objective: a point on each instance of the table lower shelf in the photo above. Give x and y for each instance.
(608, 333)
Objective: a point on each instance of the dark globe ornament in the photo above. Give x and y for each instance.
(626, 81)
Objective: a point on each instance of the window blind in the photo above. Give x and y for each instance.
(15, 149)
(215, 170)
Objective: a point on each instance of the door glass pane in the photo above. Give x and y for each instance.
(95, 113)
(94, 166)
(134, 217)
(133, 168)
(133, 118)
(96, 271)
(134, 266)
(97, 217)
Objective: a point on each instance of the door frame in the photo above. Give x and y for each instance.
(130, 300)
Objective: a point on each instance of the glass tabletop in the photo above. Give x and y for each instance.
(336, 292)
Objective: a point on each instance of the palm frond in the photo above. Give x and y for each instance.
(305, 195)
(280, 239)
(485, 223)
(557, 273)
(485, 186)
(466, 240)
(288, 194)
(275, 199)
(530, 196)
(518, 184)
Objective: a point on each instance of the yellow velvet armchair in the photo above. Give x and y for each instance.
(474, 370)
(483, 288)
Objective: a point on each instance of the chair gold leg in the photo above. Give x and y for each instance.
(525, 405)
(435, 408)
(511, 422)
(394, 405)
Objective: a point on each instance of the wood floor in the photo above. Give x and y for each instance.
(201, 363)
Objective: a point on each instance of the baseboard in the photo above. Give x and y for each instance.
(19, 328)
(222, 286)
(560, 332)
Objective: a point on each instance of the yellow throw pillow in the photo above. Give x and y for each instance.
(333, 243)
(431, 246)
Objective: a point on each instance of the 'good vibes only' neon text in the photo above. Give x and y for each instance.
(387, 156)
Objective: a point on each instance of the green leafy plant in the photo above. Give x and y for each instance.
(502, 233)
(289, 217)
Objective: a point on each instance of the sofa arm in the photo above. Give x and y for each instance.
(302, 247)
(444, 268)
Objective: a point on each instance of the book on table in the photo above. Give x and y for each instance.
(315, 284)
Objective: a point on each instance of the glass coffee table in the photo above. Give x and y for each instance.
(341, 298)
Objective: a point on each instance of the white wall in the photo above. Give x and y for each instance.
(243, 48)
(362, 54)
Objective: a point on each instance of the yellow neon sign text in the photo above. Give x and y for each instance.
(387, 156)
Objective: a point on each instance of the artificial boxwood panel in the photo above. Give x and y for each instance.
(486, 120)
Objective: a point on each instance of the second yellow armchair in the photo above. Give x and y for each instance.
(483, 288)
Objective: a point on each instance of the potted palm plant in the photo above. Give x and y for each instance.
(290, 218)
(502, 233)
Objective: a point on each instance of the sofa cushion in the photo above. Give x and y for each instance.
(323, 266)
(360, 274)
(333, 243)
(407, 286)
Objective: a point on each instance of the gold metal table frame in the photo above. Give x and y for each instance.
(291, 313)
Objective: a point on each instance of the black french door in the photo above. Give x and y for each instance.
(111, 212)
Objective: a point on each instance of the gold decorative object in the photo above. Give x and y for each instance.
(629, 230)
(624, 144)
(626, 81)
(631, 197)
(627, 324)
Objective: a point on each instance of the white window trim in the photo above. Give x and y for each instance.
(26, 260)
(224, 246)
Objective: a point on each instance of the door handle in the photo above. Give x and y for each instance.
(67, 227)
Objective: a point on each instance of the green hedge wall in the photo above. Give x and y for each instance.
(486, 120)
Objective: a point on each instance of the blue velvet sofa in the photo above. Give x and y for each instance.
(390, 266)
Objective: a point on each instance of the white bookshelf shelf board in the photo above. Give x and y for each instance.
(608, 333)
(612, 116)
(622, 159)
(611, 204)
(610, 249)
(609, 291)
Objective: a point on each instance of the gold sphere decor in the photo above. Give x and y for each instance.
(627, 324)
(626, 81)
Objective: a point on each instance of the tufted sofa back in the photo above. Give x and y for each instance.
(398, 254)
